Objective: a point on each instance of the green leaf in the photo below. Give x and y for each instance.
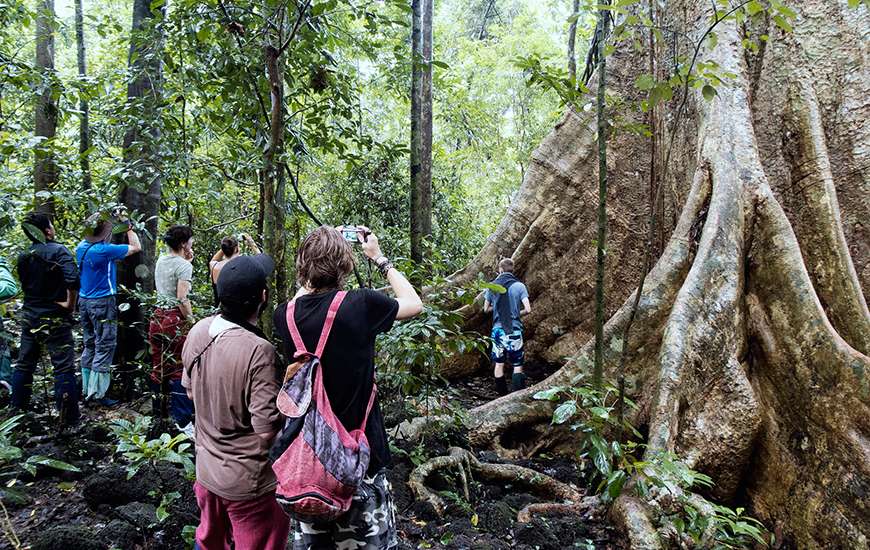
(782, 23)
(51, 463)
(709, 92)
(550, 394)
(645, 82)
(564, 411)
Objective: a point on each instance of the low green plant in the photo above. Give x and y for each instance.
(134, 445)
(409, 355)
(10, 464)
(591, 411)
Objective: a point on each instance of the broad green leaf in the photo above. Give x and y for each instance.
(564, 411)
(709, 92)
(645, 82)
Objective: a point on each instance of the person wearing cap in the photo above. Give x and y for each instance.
(172, 318)
(98, 307)
(323, 263)
(229, 372)
(50, 281)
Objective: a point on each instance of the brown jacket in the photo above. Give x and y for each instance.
(234, 390)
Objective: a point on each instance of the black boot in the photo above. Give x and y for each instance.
(501, 385)
(518, 381)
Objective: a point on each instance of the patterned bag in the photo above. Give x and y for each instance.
(318, 463)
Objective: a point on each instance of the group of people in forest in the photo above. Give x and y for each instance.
(222, 373)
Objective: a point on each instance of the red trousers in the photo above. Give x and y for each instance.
(257, 524)
(166, 333)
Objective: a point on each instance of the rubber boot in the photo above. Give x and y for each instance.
(501, 386)
(518, 381)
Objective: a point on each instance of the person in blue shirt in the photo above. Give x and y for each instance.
(98, 304)
(507, 327)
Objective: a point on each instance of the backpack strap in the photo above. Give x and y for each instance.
(369, 407)
(327, 325)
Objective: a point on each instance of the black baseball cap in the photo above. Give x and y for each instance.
(242, 280)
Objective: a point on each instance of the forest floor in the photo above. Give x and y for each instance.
(99, 508)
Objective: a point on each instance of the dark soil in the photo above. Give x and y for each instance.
(102, 508)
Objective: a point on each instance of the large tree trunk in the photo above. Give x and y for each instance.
(45, 113)
(143, 180)
(748, 356)
(84, 120)
(421, 128)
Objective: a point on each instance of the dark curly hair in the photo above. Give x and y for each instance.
(177, 235)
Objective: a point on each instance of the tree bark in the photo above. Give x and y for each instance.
(84, 116)
(421, 128)
(274, 180)
(141, 191)
(143, 181)
(45, 171)
(601, 238)
(748, 354)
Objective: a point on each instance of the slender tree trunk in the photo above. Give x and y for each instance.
(421, 128)
(274, 180)
(84, 122)
(486, 14)
(572, 37)
(603, 25)
(45, 127)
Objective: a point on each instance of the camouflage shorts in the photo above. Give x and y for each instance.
(370, 524)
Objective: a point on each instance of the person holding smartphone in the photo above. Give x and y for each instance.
(324, 261)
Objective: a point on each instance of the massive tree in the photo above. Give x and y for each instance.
(748, 356)
(141, 188)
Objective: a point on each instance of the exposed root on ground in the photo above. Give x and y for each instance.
(566, 499)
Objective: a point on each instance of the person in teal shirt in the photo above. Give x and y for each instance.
(98, 306)
(8, 289)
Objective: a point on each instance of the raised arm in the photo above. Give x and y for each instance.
(133, 240)
(410, 304)
(252, 246)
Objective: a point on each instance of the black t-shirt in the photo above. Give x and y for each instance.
(349, 357)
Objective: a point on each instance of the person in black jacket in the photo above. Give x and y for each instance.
(50, 281)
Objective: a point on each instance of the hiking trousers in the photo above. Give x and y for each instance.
(53, 334)
(256, 524)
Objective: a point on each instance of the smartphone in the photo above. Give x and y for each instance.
(350, 233)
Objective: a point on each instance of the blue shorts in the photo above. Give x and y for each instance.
(507, 347)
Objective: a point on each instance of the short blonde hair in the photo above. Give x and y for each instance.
(324, 259)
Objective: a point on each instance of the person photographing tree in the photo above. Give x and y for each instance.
(507, 326)
(98, 299)
(230, 248)
(324, 261)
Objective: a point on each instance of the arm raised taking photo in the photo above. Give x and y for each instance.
(410, 304)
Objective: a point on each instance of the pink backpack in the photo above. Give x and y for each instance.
(318, 463)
